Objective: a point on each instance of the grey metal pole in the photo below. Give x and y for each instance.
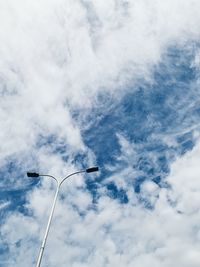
(51, 214)
(47, 228)
(34, 174)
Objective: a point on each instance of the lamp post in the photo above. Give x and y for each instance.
(59, 183)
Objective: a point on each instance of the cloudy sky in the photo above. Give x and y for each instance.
(108, 83)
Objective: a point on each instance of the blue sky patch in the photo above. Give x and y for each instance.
(147, 116)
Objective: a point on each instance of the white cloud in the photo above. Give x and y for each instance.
(4, 204)
(65, 52)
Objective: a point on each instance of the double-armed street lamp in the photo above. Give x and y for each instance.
(59, 183)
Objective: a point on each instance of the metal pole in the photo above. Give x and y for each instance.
(51, 214)
(34, 174)
(48, 226)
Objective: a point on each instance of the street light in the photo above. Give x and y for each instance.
(34, 174)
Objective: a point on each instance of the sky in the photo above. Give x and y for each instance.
(113, 84)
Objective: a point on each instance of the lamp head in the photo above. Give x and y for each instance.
(32, 174)
(93, 169)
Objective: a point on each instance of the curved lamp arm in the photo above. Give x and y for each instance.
(92, 169)
(70, 176)
(35, 175)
